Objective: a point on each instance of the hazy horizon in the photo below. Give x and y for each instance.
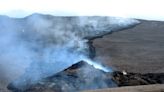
(140, 9)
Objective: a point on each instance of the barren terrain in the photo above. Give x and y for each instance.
(139, 49)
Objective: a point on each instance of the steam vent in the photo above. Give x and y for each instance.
(55, 54)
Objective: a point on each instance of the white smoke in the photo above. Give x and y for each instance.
(39, 46)
(97, 65)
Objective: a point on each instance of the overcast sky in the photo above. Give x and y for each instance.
(145, 9)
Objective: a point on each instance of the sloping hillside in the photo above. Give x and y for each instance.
(139, 49)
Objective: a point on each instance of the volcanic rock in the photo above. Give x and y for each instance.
(133, 79)
(80, 76)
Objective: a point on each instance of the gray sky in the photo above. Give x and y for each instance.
(144, 9)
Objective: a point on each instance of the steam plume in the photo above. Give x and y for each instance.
(39, 46)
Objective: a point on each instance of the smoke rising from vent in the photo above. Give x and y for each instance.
(39, 46)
